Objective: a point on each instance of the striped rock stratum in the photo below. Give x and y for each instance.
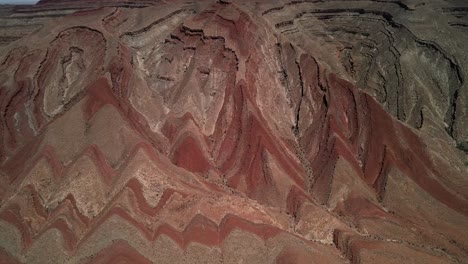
(234, 132)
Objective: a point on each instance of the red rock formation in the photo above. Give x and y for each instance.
(195, 132)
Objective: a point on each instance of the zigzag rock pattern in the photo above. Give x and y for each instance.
(234, 132)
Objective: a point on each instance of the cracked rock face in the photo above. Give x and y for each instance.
(234, 132)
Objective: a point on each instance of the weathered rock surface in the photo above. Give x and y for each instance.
(234, 132)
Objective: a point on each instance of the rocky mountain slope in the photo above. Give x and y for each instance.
(234, 132)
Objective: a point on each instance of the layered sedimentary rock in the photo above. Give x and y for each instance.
(234, 132)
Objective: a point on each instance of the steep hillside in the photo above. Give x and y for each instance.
(234, 132)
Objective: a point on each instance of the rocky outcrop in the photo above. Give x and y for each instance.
(233, 131)
(417, 72)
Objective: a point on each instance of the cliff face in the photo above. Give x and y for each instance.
(234, 132)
